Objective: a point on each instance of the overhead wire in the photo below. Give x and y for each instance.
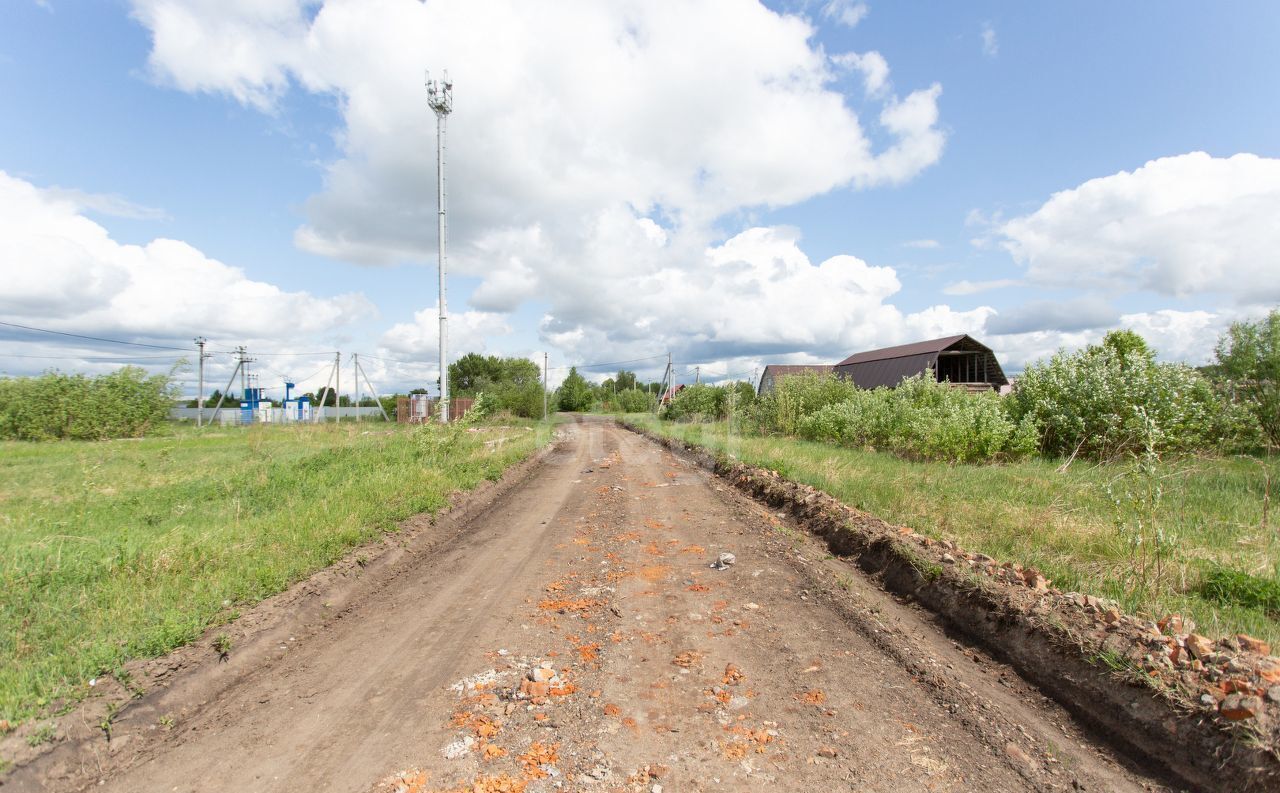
(94, 358)
(95, 338)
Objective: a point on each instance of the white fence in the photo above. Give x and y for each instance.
(276, 415)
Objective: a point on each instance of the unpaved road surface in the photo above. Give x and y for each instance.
(573, 637)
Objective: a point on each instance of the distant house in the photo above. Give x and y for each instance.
(772, 373)
(960, 360)
(670, 394)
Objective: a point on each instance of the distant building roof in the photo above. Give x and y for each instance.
(903, 350)
(774, 371)
(958, 359)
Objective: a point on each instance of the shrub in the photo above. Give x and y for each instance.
(484, 406)
(574, 394)
(520, 400)
(925, 419)
(632, 401)
(1098, 401)
(697, 403)
(1236, 587)
(126, 403)
(796, 396)
(1249, 357)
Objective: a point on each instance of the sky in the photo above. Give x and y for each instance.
(730, 182)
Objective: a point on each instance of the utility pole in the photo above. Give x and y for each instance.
(440, 99)
(355, 375)
(243, 370)
(697, 375)
(200, 341)
(337, 387)
(544, 386)
(374, 391)
(239, 365)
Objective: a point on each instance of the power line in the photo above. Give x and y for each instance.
(92, 358)
(95, 338)
(395, 360)
(609, 363)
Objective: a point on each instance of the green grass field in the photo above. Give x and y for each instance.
(1062, 523)
(123, 549)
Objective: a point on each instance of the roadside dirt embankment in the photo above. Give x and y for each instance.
(1205, 712)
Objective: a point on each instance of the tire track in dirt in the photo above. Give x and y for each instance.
(699, 679)
(574, 637)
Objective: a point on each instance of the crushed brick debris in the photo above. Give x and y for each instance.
(538, 755)
(502, 783)
(687, 658)
(813, 696)
(411, 781)
(567, 605)
(732, 675)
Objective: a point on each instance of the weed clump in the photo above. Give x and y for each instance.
(1237, 588)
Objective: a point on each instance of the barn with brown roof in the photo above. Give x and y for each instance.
(960, 360)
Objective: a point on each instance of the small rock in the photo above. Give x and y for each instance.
(1199, 646)
(1250, 644)
(723, 561)
(1171, 624)
(458, 748)
(828, 751)
(1270, 672)
(1021, 758)
(1208, 701)
(1273, 694)
(1237, 707)
(948, 559)
(1111, 616)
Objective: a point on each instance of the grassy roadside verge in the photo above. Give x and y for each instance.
(1061, 523)
(124, 549)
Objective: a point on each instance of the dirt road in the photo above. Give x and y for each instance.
(574, 637)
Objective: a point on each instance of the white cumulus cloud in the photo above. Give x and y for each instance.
(63, 271)
(1176, 226)
(560, 110)
(846, 12)
(990, 45)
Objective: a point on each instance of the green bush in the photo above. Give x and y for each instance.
(796, 396)
(632, 401)
(1235, 587)
(126, 403)
(924, 419)
(519, 400)
(699, 402)
(574, 394)
(1097, 402)
(484, 406)
(1249, 357)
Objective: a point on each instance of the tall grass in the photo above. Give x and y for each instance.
(123, 549)
(1060, 521)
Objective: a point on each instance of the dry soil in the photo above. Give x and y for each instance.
(787, 670)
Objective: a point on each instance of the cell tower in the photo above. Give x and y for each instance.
(440, 99)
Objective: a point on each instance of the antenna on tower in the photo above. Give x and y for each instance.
(440, 99)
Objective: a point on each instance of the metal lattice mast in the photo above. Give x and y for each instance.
(440, 99)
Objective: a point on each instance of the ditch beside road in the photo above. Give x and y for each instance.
(573, 635)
